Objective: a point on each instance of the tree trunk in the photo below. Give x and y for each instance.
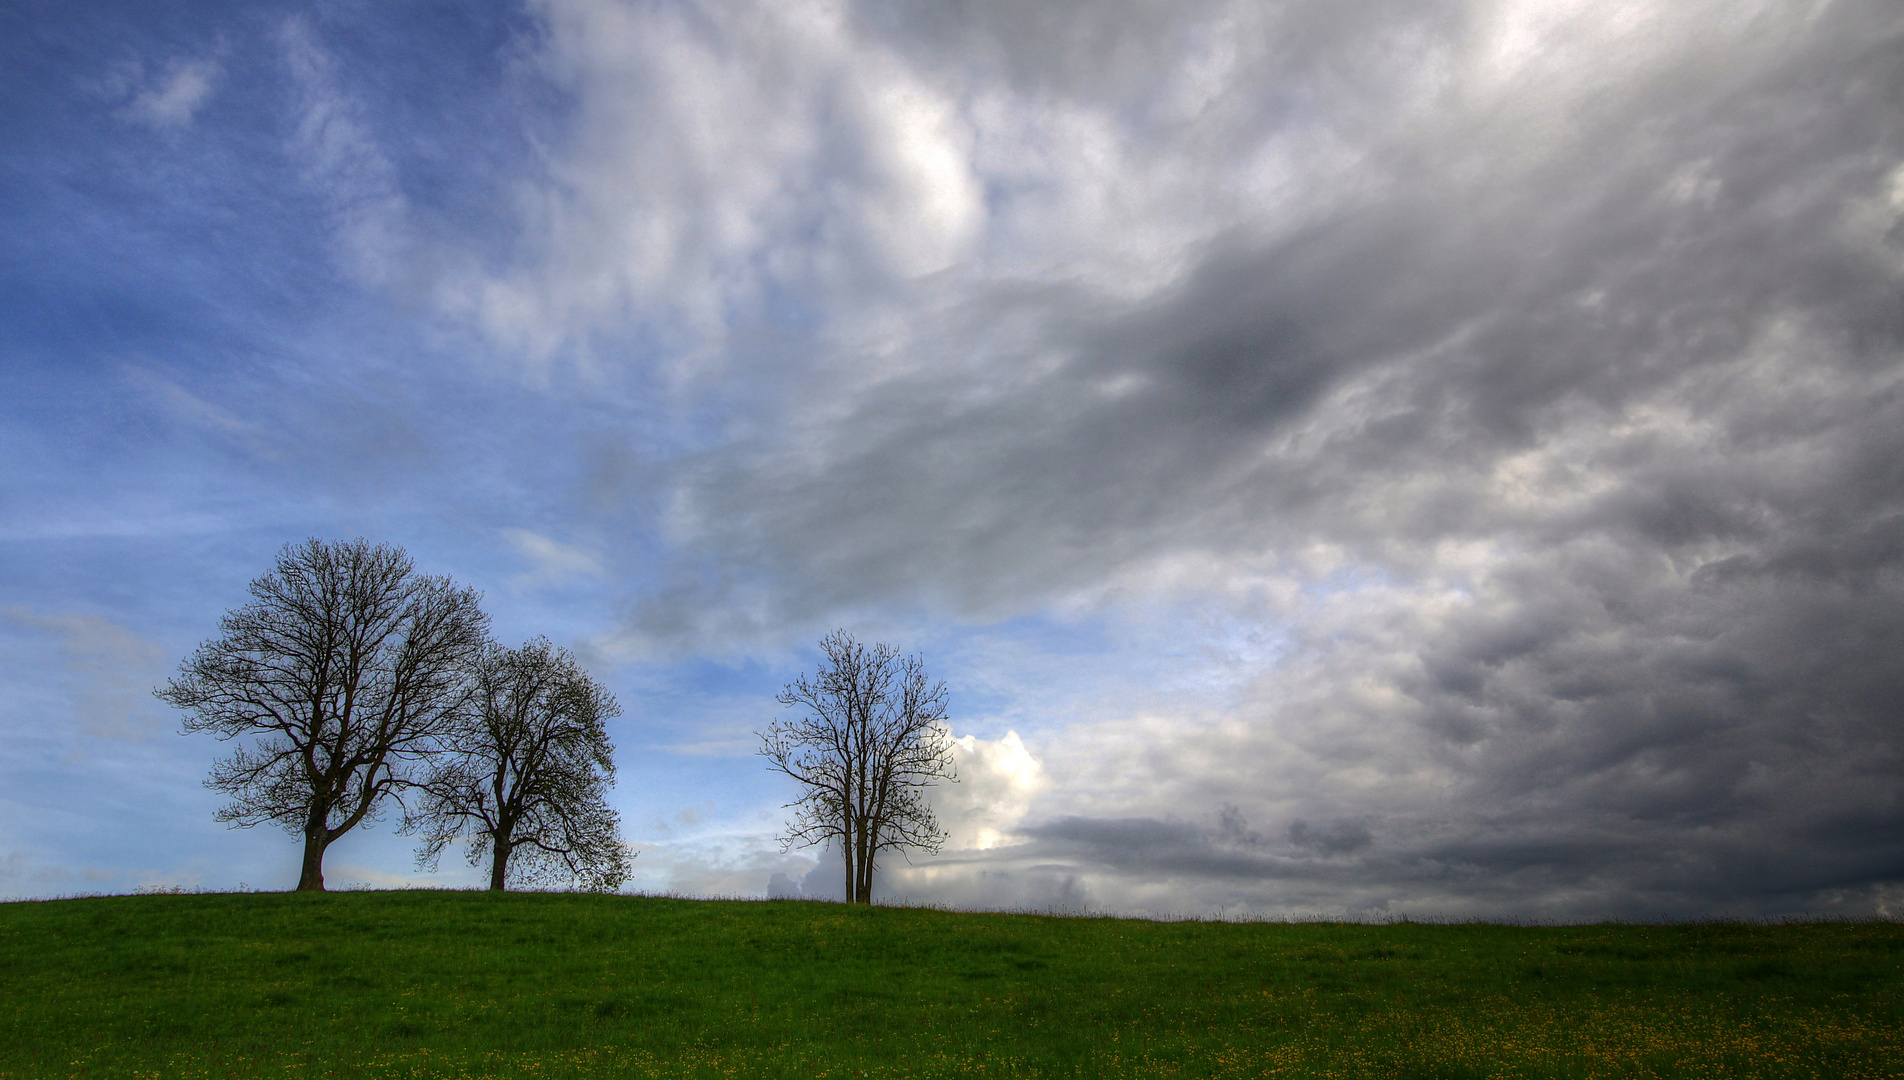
(315, 841)
(498, 865)
(846, 856)
(864, 886)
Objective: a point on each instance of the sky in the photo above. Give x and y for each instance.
(1350, 459)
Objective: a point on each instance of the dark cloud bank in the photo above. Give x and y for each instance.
(1607, 403)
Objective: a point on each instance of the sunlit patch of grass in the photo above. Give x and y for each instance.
(420, 984)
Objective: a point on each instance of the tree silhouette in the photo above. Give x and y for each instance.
(870, 738)
(344, 671)
(528, 772)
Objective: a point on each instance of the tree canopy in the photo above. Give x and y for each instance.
(869, 738)
(344, 672)
(526, 775)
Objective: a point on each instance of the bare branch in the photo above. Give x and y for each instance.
(344, 671)
(870, 734)
(526, 785)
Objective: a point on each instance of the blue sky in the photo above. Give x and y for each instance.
(1361, 458)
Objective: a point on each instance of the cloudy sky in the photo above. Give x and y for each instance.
(1368, 458)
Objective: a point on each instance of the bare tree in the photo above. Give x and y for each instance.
(527, 780)
(344, 670)
(870, 738)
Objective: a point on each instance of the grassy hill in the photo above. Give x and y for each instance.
(444, 984)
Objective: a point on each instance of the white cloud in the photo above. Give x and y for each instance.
(344, 165)
(344, 875)
(176, 95)
(190, 409)
(110, 671)
(722, 861)
(551, 563)
(998, 779)
(724, 152)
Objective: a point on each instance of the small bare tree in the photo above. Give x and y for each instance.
(870, 738)
(345, 670)
(528, 774)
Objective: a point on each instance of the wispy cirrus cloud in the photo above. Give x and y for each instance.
(552, 563)
(110, 671)
(174, 95)
(343, 162)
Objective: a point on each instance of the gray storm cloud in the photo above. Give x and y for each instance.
(1534, 368)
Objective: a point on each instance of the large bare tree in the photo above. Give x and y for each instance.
(343, 672)
(528, 774)
(869, 738)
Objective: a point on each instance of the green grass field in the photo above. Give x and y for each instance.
(445, 984)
